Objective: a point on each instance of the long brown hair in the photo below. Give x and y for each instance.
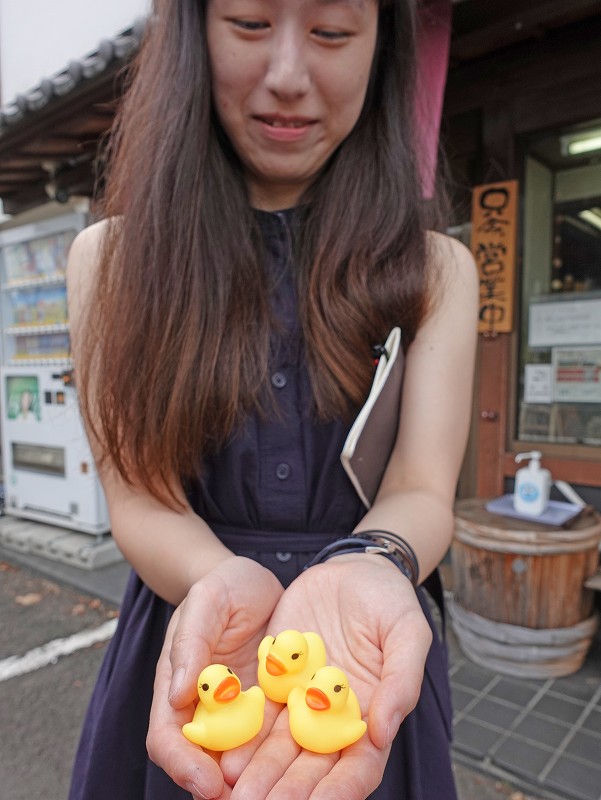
(175, 352)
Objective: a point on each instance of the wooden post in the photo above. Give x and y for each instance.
(494, 234)
(493, 358)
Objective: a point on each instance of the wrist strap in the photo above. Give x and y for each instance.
(398, 547)
(390, 545)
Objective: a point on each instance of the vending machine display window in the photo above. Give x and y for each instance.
(49, 471)
(34, 291)
(47, 460)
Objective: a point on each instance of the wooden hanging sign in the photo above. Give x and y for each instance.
(493, 245)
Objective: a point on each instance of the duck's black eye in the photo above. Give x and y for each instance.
(312, 676)
(294, 656)
(337, 688)
(229, 670)
(205, 687)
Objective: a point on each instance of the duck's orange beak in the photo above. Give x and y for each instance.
(274, 666)
(316, 699)
(228, 690)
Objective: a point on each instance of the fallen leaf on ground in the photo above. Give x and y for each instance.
(30, 599)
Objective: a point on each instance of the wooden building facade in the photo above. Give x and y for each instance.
(523, 104)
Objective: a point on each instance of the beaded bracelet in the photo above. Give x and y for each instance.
(390, 545)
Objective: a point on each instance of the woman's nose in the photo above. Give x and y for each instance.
(287, 72)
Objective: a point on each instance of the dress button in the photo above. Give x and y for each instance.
(283, 471)
(279, 380)
(283, 557)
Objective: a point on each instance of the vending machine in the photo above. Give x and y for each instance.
(48, 469)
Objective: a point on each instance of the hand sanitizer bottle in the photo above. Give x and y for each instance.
(532, 486)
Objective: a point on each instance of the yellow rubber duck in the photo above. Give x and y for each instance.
(289, 660)
(225, 717)
(325, 717)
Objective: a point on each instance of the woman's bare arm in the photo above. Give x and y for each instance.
(418, 489)
(170, 550)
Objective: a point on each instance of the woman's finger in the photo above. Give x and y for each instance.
(269, 762)
(356, 774)
(405, 648)
(192, 636)
(234, 762)
(303, 775)
(186, 764)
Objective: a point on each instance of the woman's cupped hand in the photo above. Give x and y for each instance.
(369, 617)
(222, 620)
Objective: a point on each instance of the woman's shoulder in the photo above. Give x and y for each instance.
(85, 253)
(86, 247)
(454, 278)
(450, 256)
(83, 263)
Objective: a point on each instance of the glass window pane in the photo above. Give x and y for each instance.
(560, 327)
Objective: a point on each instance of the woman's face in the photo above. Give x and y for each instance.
(289, 81)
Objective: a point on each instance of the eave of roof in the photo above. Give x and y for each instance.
(49, 135)
(118, 49)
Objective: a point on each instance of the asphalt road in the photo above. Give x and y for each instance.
(43, 707)
(45, 686)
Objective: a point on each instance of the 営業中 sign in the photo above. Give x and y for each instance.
(493, 244)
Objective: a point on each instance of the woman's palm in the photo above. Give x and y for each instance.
(359, 607)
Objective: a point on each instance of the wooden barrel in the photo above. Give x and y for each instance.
(507, 572)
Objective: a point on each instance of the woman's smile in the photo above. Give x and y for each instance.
(279, 128)
(280, 121)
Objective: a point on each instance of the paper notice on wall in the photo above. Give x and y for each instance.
(538, 383)
(576, 374)
(568, 322)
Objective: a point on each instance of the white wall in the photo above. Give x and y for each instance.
(38, 38)
(573, 184)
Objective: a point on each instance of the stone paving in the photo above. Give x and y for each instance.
(546, 734)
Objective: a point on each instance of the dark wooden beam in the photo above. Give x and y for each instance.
(8, 186)
(533, 69)
(11, 173)
(471, 14)
(27, 197)
(527, 21)
(76, 180)
(578, 102)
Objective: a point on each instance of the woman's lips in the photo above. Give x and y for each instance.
(283, 121)
(284, 129)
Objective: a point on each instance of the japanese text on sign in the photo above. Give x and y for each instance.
(494, 225)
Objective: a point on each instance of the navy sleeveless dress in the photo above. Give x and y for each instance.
(277, 493)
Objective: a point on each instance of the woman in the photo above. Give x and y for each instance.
(266, 232)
